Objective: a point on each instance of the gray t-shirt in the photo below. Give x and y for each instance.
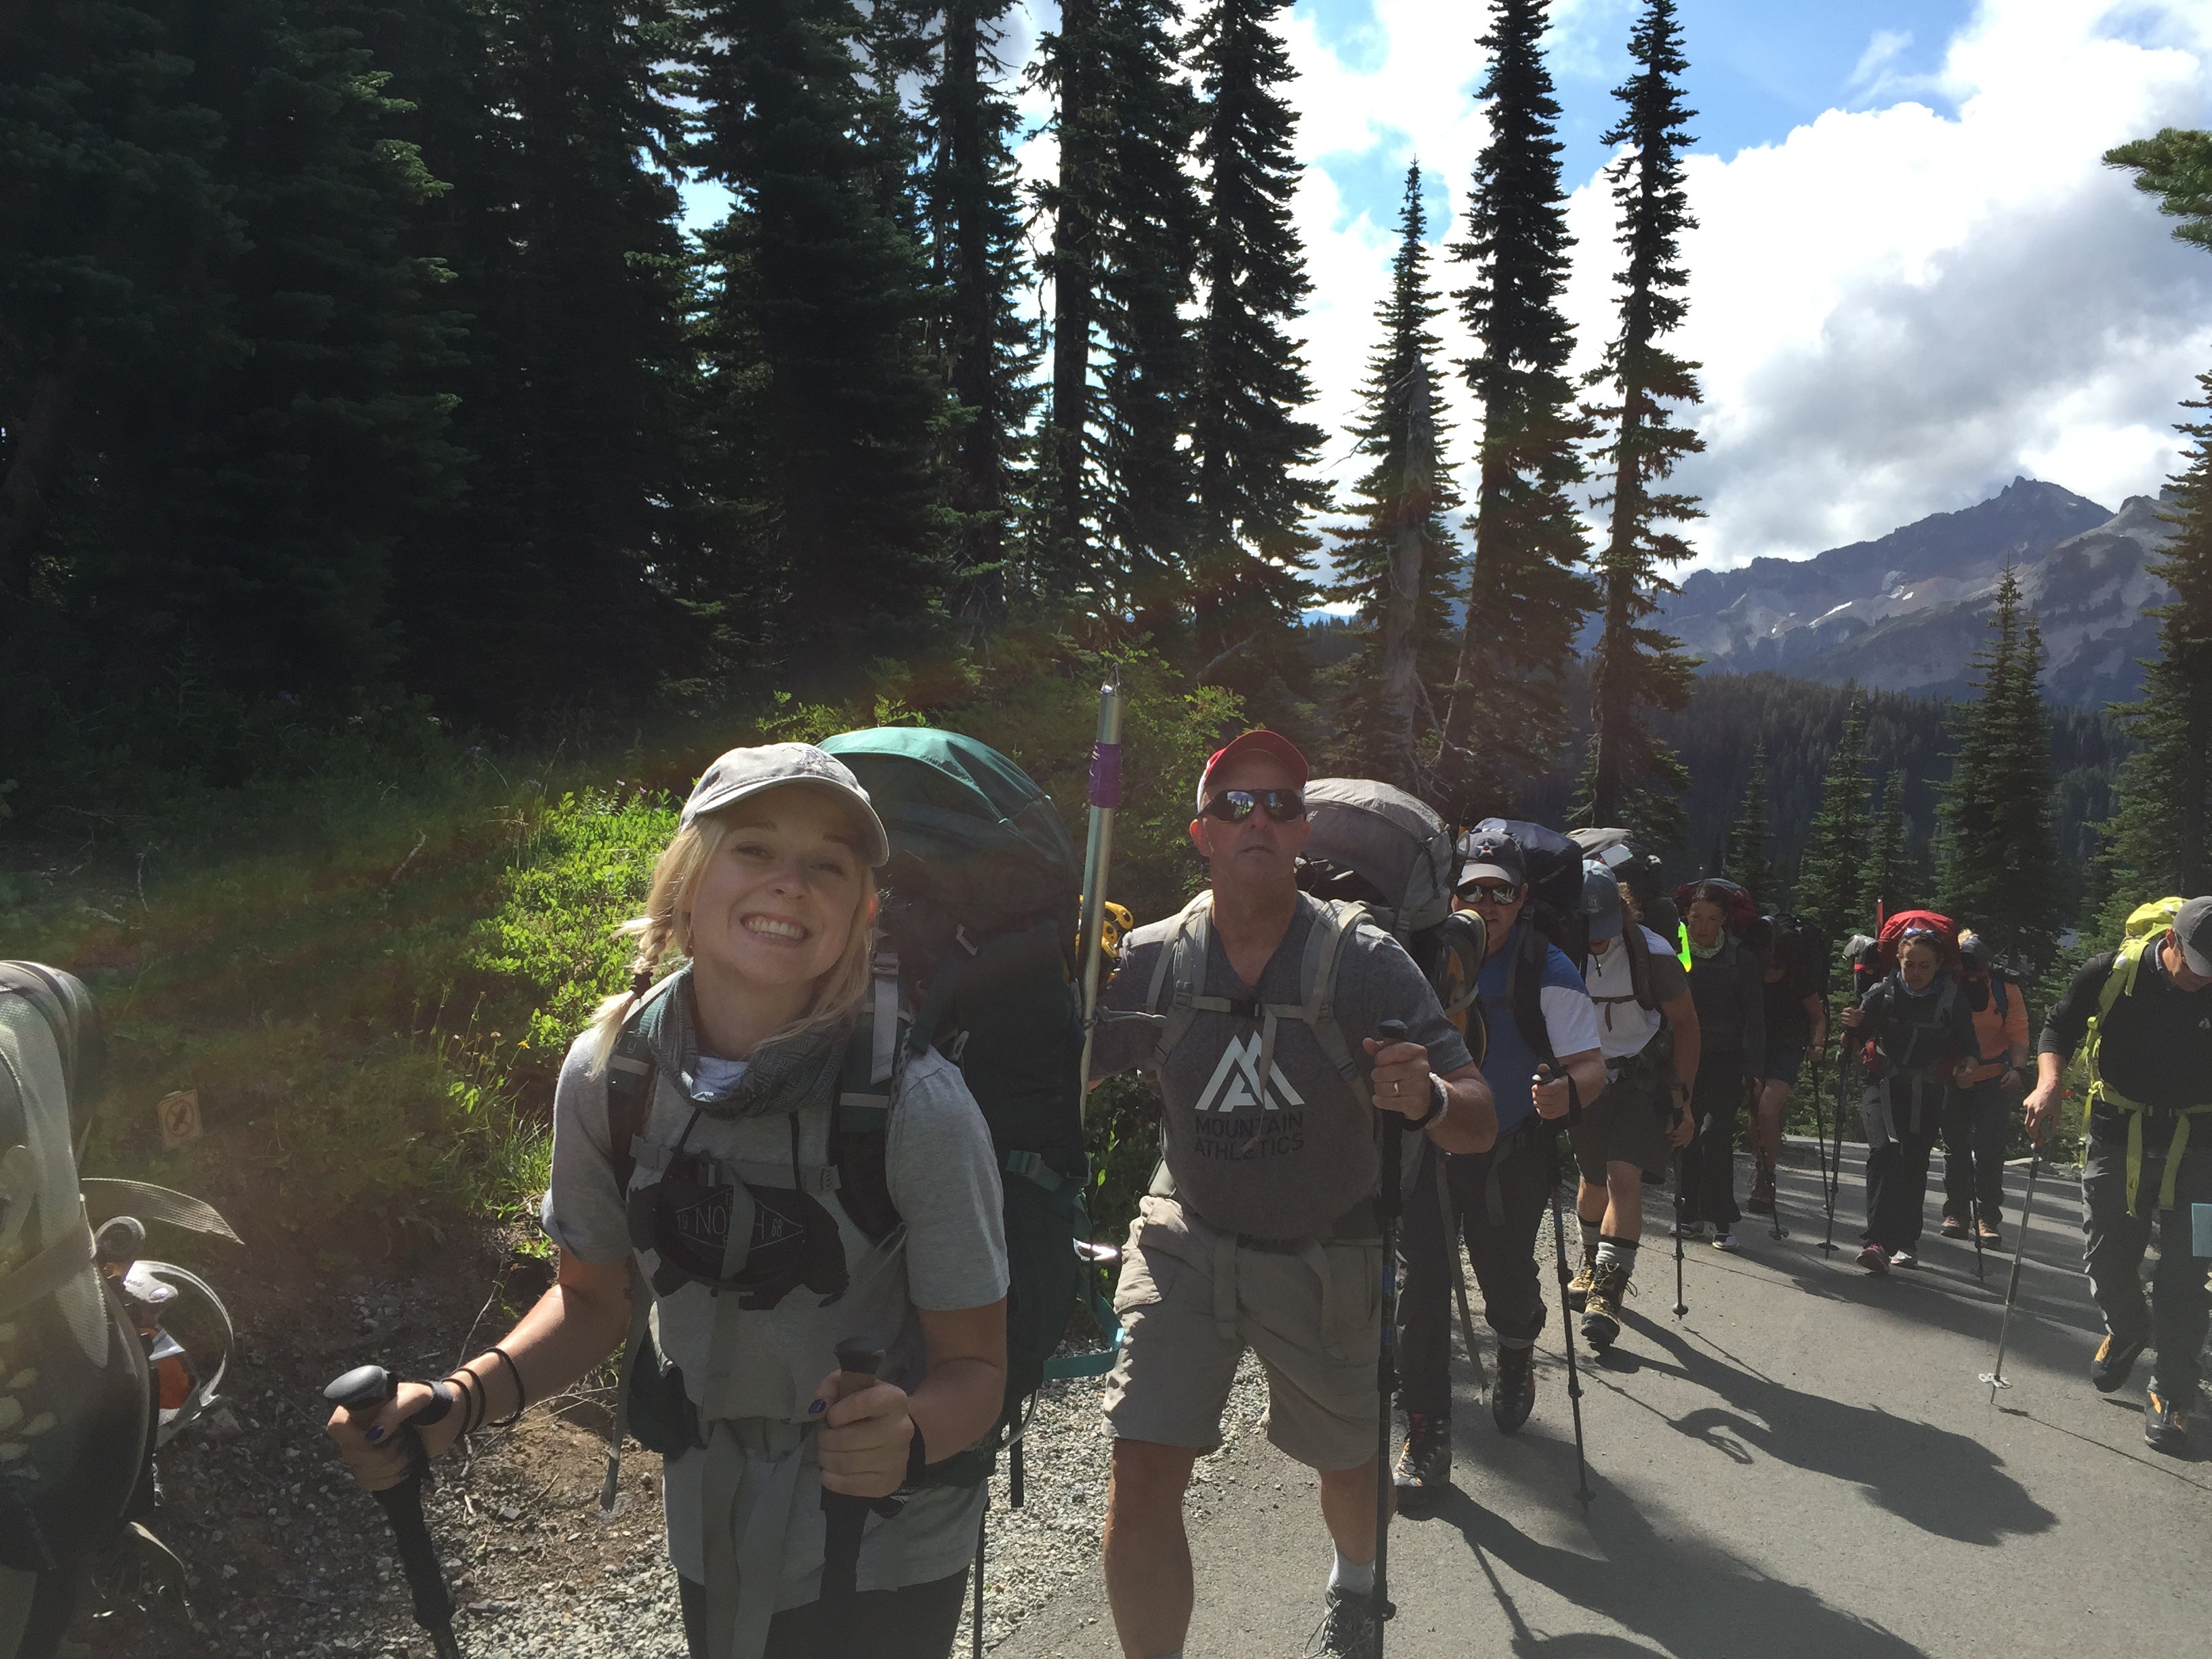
(1288, 1158)
(765, 1364)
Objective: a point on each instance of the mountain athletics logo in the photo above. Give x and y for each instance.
(1235, 1082)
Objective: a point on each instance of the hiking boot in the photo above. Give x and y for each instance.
(2165, 1422)
(1602, 1308)
(1578, 1286)
(1348, 1629)
(1689, 1230)
(1761, 1202)
(1953, 1227)
(1875, 1258)
(1513, 1396)
(1724, 1239)
(1992, 1236)
(2114, 1360)
(1423, 1474)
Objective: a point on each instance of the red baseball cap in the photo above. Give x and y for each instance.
(1262, 742)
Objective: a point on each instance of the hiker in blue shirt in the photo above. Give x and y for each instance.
(1538, 1013)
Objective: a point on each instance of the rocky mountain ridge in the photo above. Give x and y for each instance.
(1907, 610)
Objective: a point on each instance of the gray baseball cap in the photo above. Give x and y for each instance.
(744, 773)
(2192, 927)
(1601, 901)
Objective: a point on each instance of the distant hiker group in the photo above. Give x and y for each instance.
(819, 1173)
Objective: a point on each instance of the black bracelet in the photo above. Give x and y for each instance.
(521, 1394)
(1439, 1099)
(917, 1457)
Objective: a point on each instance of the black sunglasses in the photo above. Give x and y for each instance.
(1284, 806)
(1490, 892)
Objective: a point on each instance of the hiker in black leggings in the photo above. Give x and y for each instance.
(766, 897)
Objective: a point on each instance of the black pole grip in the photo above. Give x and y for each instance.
(363, 1391)
(1389, 1191)
(845, 1518)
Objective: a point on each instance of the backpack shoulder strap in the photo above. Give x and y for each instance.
(1524, 990)
(631, 1073)
(1998, 994)
(1177, 992)
(860, 1110)
(2127, 962)
(1639, 964)
(1334, 921)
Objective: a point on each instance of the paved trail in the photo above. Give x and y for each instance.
(1804, 1467)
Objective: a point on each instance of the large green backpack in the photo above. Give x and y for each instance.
(980, 905)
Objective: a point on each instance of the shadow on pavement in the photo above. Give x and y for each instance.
(1692, 1602)
(1941, 1482)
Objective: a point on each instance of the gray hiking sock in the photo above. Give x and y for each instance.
(1350, 1577)
(1623, 1251)
(1591, 1235)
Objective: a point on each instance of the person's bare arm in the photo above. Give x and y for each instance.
(581, 1319)
(864, 1442)
(1816, 1014)
(1689, 1043)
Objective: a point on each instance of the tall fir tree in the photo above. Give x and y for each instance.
(814, 336)
(1251, 548)
(1749, 864)
(554, 129)
(1888, 883)
(1151, 221)
(1632, 777)
(1997, 863)
(2160, 840)
(1830, 870)
(1526, 596)
(1397, 563)
(988, 346)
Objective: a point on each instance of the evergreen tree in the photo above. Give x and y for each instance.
(1632, 777)
(2161, 838)
(1150, 222)
(989, 345)
(1998, 865)
(814, 339)
(1887, 884)
(1251, 548)
(1397, 563)
(553, 127)
(1525, 593)
(1830, 871)
(1748, 864)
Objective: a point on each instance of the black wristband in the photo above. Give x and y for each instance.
(522, 1396)
(1439, 1098)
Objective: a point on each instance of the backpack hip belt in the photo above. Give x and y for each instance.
(743, 1524)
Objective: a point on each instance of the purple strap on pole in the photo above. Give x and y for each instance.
(1106, 775)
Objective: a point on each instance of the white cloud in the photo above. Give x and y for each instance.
(1897, 309)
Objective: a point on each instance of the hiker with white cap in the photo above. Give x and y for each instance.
(1254, 1014)
(764, 901)
(1648, 1033)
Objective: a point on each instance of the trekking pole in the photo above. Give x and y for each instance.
(845, 1518)
(1995, 1377)
(364, 1391)
(1391, 1204)
(1973, 1208)
(1681, 1307)
(1098, 852)
(1567, 1325)
(1775, 1229)
(1836, 1161)
(1820, 1151)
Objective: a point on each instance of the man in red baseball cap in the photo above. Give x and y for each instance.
(1254, 1013)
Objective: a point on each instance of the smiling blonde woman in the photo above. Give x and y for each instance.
(725, 1208)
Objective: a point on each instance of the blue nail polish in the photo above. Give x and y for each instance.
(374, 1433)
(817, 1409)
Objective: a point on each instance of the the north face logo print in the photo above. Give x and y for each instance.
(1236, 1081)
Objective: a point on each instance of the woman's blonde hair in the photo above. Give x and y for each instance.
(664, 936)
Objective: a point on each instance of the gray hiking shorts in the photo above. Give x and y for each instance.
(1193, 1299)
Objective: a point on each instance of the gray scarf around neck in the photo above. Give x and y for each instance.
(782, 1078)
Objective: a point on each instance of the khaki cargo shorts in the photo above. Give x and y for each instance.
(1192, 1300)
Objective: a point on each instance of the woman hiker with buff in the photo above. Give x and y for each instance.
(1919, 1035)
(1499, 1193)
(2149, 1151)
(764, 898)
(1727, 982)
(1253, 1013)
